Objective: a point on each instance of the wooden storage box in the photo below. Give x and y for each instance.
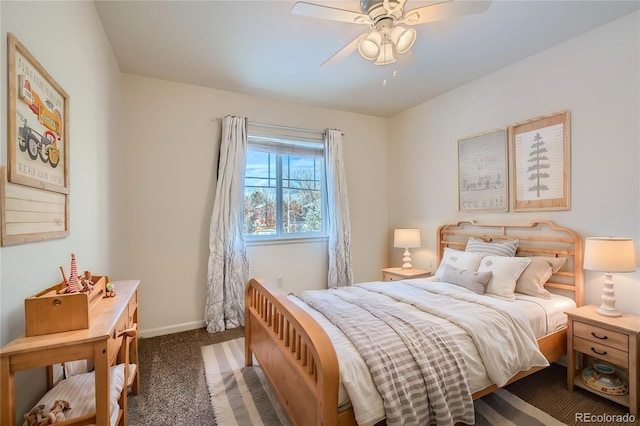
(49, 312)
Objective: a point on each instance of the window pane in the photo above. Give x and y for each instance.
(283, 192)
(301, 196)
(261, 170)
(260, 194)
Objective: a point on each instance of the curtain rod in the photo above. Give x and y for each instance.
(277, 126)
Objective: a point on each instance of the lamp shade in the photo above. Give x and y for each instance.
(608, 254)
(406, 238)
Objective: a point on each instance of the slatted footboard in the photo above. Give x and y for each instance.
(295, 354)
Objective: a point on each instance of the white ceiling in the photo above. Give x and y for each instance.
(259, 48)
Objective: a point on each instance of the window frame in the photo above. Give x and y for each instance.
(269, 141)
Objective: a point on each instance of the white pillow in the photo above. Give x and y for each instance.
(505, 273)
(458, 259)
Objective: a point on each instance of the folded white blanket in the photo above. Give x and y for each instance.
(505, 342)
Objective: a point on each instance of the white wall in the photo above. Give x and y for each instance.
(68, 40)
(596, 77)
(171, 142)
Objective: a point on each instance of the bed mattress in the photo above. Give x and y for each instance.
(542, 315)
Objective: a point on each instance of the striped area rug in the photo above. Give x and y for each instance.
(242, 395)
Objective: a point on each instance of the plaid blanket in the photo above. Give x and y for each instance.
(418, 370)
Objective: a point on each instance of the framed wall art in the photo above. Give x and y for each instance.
(541, 163)
(482, 172)
(38, 124)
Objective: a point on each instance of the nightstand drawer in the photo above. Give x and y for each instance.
(601, 336)
(391, 277)
(602, 352)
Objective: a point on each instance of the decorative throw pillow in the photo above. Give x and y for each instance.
(506, 271)
(499, 248)
(471, 280)
(459, 259)
(556, 262)
(534, 277)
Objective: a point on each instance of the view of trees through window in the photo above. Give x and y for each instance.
(283, 194)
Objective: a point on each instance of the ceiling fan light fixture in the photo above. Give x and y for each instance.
(388, 39)
(369, 48)
(403, 38)
(387, 54)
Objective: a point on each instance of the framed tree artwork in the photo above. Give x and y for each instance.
(482, 172)
(541, 163)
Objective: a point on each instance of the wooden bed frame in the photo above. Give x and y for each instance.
(298, 357)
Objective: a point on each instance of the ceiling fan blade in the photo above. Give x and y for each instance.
(445, 10)
(331, 13)
(345, 51)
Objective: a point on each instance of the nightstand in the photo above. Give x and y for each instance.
(395, 274)
(614, 341)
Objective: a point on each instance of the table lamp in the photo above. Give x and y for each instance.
(406, 239)
(607, 254)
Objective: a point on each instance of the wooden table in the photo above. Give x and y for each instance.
(101, 342)
(395, 274)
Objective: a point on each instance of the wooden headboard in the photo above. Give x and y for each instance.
(538, 238)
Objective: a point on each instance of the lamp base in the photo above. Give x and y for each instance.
(406, 259)
(608, 307)
(608, 312)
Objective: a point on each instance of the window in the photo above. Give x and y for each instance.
(284, 187)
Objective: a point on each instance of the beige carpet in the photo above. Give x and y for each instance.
(174, 390)
(242, 395)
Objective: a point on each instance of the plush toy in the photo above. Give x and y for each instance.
(34, 417)
(56, 414)
(87, 283)
(73, 285)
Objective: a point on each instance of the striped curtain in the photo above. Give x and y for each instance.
(228, 269)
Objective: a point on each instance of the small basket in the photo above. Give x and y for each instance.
(51, 311)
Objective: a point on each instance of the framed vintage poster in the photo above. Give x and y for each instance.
(541, 163)
(482, 172)
(38, 124)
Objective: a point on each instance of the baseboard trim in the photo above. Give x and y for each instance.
(160, 331)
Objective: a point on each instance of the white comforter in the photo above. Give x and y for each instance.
(495, 344)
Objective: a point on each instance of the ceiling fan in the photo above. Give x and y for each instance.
(388, 37)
